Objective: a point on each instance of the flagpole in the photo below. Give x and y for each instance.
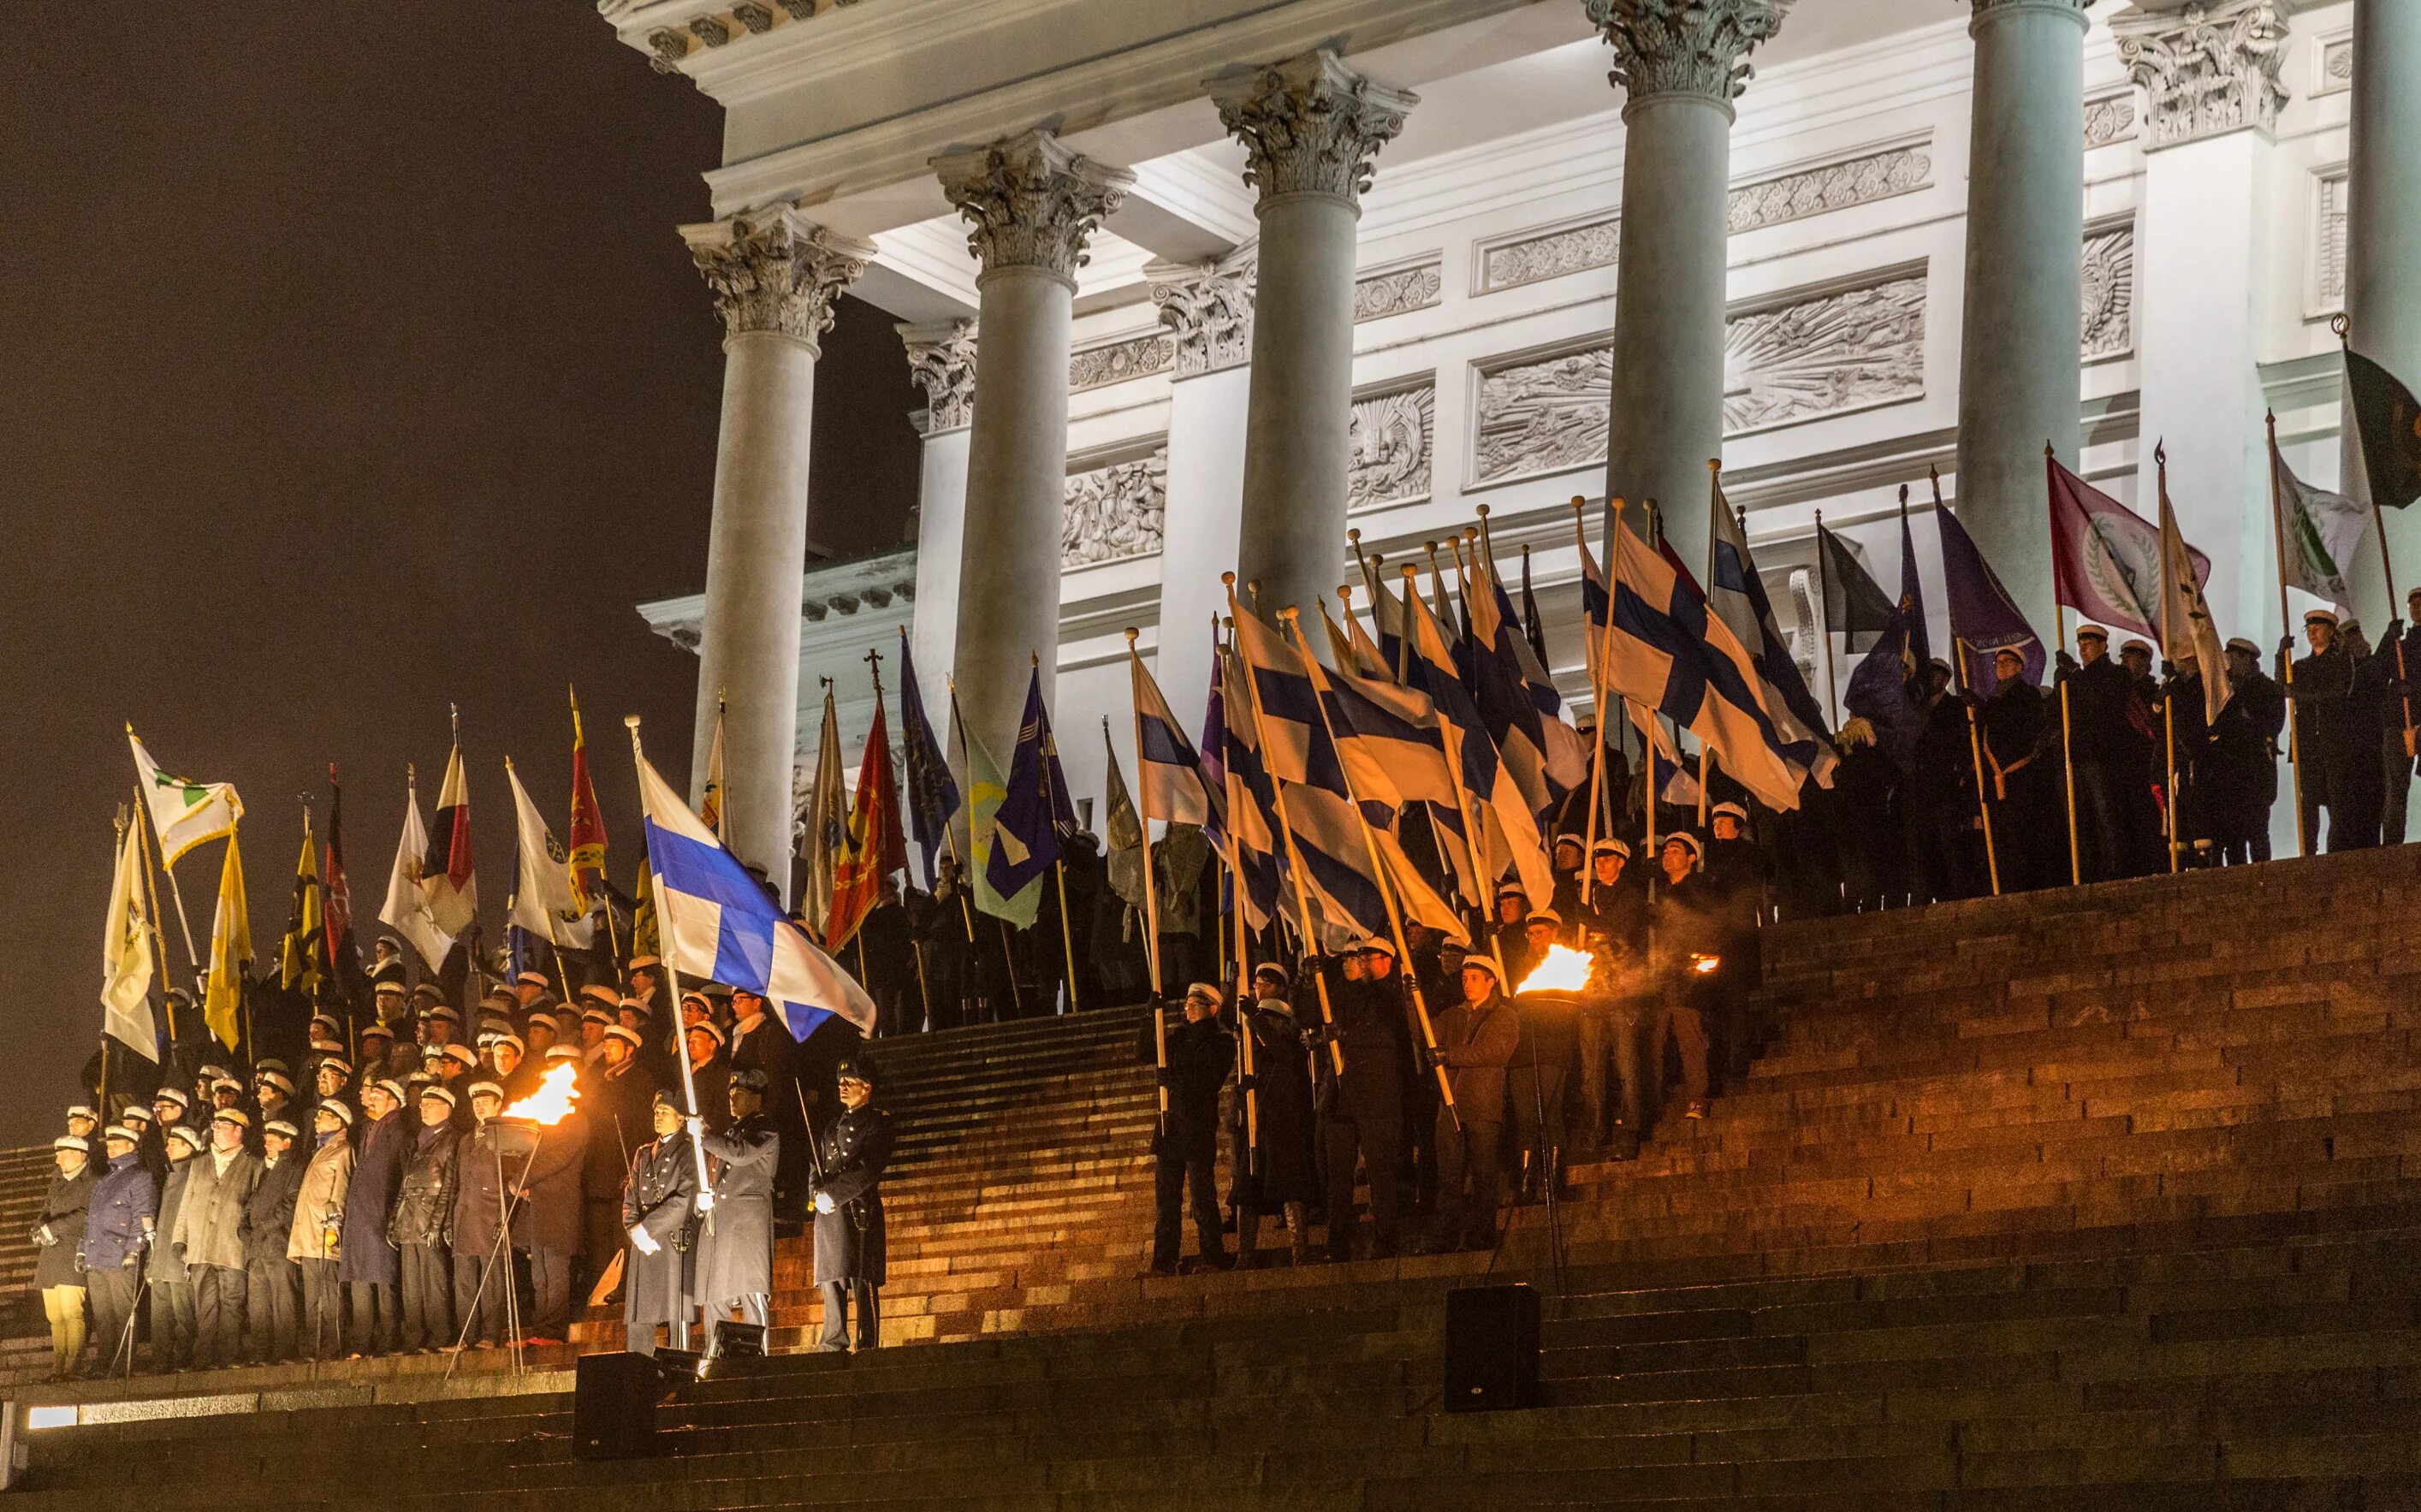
(118, 926)
(143, 838)
(2278, 536)
(2343, 327)
(1379, 874)
(2067, 746)
(1294, 859)
(1058, 864)
(1243, 969)
(1597, 704)
(2168, 701)
(1480, 878)
(1824, 617)
(1151, 901)
(1975, 752)
(672, 981)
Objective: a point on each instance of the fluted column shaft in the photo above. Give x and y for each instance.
(1680, 63)
(774, 278)
(2384, 255)
(2024, 316)
(1032, 204)
(1310, 125)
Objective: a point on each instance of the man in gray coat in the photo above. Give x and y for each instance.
(735, 1265)
(173, 1324)
(273, 1283)
(208, 1237)
(1476, 1042)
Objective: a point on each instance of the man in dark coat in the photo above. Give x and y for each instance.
(659, 1214)
(482, 1265)
(366, 1261)
(59, 1229)
(1185, 1145)
(2020, 764)
(546, 1195)
(1361, 1108)
(615, 1095)
(1945, 837)
(118, 1223)
(851, 1155)
(710, 1073)
(1688, 947)
(1614, 925)
(1476, 1042)
(175, 1329)
(2244, 756)
(2332, 757)
(1277, 1173)
(272, 1287)
(735, 1262)
(422, 1226)
(761, 1042)
(2104, 748)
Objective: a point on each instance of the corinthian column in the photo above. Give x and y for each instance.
(1033, 203)
(1209, 309)
(1310, 127)
(2024, 320)
(2384, 255)
(1681, 64)
(941, 358)
(775, 277)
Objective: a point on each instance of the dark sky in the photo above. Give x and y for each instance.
(350, 364)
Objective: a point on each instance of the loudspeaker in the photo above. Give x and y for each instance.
(1492, 1349)
(614, 1407)
(737, 1341)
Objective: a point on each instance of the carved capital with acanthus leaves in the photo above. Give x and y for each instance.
(1030, 202)
(1309, 124)
(772, 270)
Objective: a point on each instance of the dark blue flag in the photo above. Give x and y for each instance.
(933, 792)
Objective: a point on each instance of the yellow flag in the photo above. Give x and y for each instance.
(230, 952)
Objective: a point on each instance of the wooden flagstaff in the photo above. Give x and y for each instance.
(673, 987)
(2168, 703)
(1294, 859)
(1481, 881)
(2278, 534)
(1151, 908)
(1975, 751)
(2067, 743)
(1386, 885)
(1595, 656)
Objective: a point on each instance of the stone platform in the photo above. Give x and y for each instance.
(2104, 1197)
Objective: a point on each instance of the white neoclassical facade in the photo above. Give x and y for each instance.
(1196, 285)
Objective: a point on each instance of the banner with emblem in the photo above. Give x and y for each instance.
(184, 813)
(2105, 558)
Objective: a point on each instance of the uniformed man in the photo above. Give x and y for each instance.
(175, 1333)
(851, 1153)
(735, 1262)
(1476, 1042)
(482, 1265)
(422, 1227)
(1185, 1142)
(316, 1242)
(1362, 1110)
(659, 1216)
(2185, 727)
(2332, 760)
(2020, 786)
(59, 1232)
(1688, 942)
(2244, 756)
(2105, 752)
(367, 1262)
(120, 1219)
(273, 1289)
(1278, 1173)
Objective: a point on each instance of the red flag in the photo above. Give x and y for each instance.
(588, 830)
(873, 847)
(336, 916)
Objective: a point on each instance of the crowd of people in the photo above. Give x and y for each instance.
(417, 1185)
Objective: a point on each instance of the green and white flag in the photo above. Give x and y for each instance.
(2319, 532)
(126, 956)
(184, 813)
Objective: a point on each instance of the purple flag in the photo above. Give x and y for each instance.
(1212, 753)
(1984, 619)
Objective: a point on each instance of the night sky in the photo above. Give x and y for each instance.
(350, 364)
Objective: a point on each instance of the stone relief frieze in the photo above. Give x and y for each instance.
(1844, 351)
(1394, 293)
(1392, 438)
(2329, 255)
(1835, 186)
(2110, 119)
(1544, 415)
(1117, 361)
(1550, 255)
(1115, 513)
(2109, 292)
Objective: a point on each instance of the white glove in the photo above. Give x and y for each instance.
(642, 1240)
(824, 1202)
(696, 1127)
(706, 1202)
(44, 1235)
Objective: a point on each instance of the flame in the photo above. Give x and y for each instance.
(1703, 964)
(1564, 969)
(552, 1100)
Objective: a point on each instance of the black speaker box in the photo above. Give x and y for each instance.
(614, 1407)
(1492, 1349)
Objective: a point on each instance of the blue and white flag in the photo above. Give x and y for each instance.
(1508, 826)
(1737, 596)
(1251, 798)
(1669, 653)
(1386, 611)
(1169, 776)
(1524, 708)
(719, 923)
(1294, 746)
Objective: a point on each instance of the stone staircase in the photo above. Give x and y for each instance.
(2094, 1198)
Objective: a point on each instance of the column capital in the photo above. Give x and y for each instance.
(1309, 124)
(1684, 47)
(2208, 67)
(1209, 307)
(942, 359)
(773, 269)
(1988, 9)
(1031, 201)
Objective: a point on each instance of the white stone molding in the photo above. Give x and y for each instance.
(1393, 437)
(1816, 354)
(2336, 65)
(2110, 119)
(1031, 201)
(2109, 325)
(1543, 414)
(2208, 67)
(2328, 281)
(941, 358)
(1397, 291)
(773, 269)
(1687, 47)
(1115, 362)
(1796, 194)
(1209, 309)
(1116, 511)
(1309, 124)
(1529, 256)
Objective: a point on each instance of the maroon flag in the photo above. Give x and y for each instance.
(336, 916)
(2105, 558)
